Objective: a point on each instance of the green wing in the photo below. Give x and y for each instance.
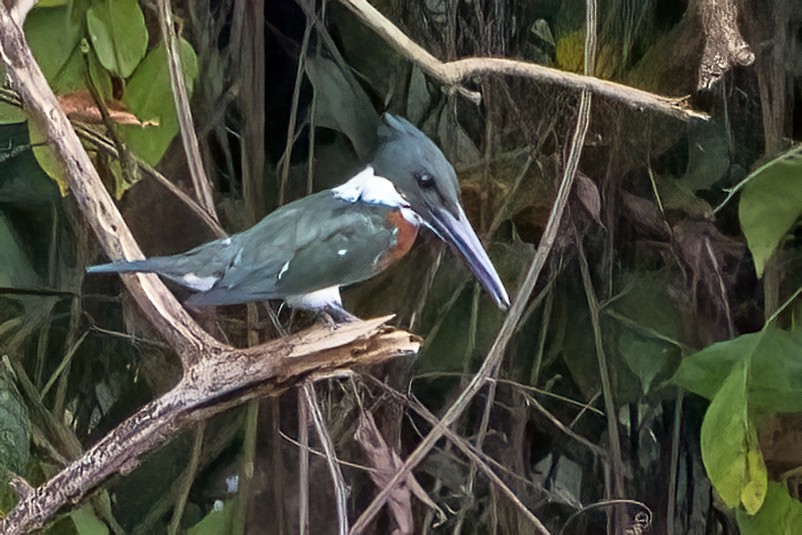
(317, 242)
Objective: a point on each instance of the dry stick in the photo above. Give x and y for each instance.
(496, 353)
(671, 500)
(453, 72)
(303, 467)
(293, 121)
(187, 478)
(616, 464)
(722, 287)
(105, 145)
(250, 428)
(200, 182)
(252, 95)
(340, 490)
(476, 456)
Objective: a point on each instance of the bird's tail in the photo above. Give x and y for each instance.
(133, 266)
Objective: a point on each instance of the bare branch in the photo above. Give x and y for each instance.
(724, 45)
(453, 72)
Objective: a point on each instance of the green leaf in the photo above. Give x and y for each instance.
(217, 521)
(72, 76)
(118, 34)
(100, 77)
(780, 515)
(45, 157)
(11, 114)
(645, 356)
(709, 157)
(148, 95)
(87, 523)
(770, 204)
(776, 375)
(54, 39)
(651, 326)
(730, 449)
(418, 98)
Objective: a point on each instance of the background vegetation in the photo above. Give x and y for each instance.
(671, 293)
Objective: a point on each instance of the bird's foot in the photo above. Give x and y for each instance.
(332, 316)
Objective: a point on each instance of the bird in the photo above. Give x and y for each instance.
(305, 251)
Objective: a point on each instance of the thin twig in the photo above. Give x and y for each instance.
(105, 145)
(674, 464)
(516, 385)
(286, 158)
(250, 431)
(187, 478)
(340, 490)
(477, 457)
(453, 72)
(303, 465)
(596, 450)
(253, 80)
(616, 463)
(200, 181)
(644, 522)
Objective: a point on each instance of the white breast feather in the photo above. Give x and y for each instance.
(371, 188)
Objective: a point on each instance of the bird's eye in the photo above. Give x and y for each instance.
(424, 179)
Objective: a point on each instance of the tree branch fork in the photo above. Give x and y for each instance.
(216, 376)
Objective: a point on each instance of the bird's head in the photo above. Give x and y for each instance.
(424, 177)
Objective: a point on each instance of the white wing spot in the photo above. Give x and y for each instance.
(284, 269)
(227, 241)
(342, 252)
(201, 284)
(371, 188)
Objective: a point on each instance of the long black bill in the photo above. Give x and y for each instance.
(458, 233)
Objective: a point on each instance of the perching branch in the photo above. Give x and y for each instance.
(207, 388)
(451, 73)
(216, 376)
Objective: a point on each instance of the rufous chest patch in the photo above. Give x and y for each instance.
(405, 234)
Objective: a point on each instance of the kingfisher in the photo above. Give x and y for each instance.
(306, 250)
